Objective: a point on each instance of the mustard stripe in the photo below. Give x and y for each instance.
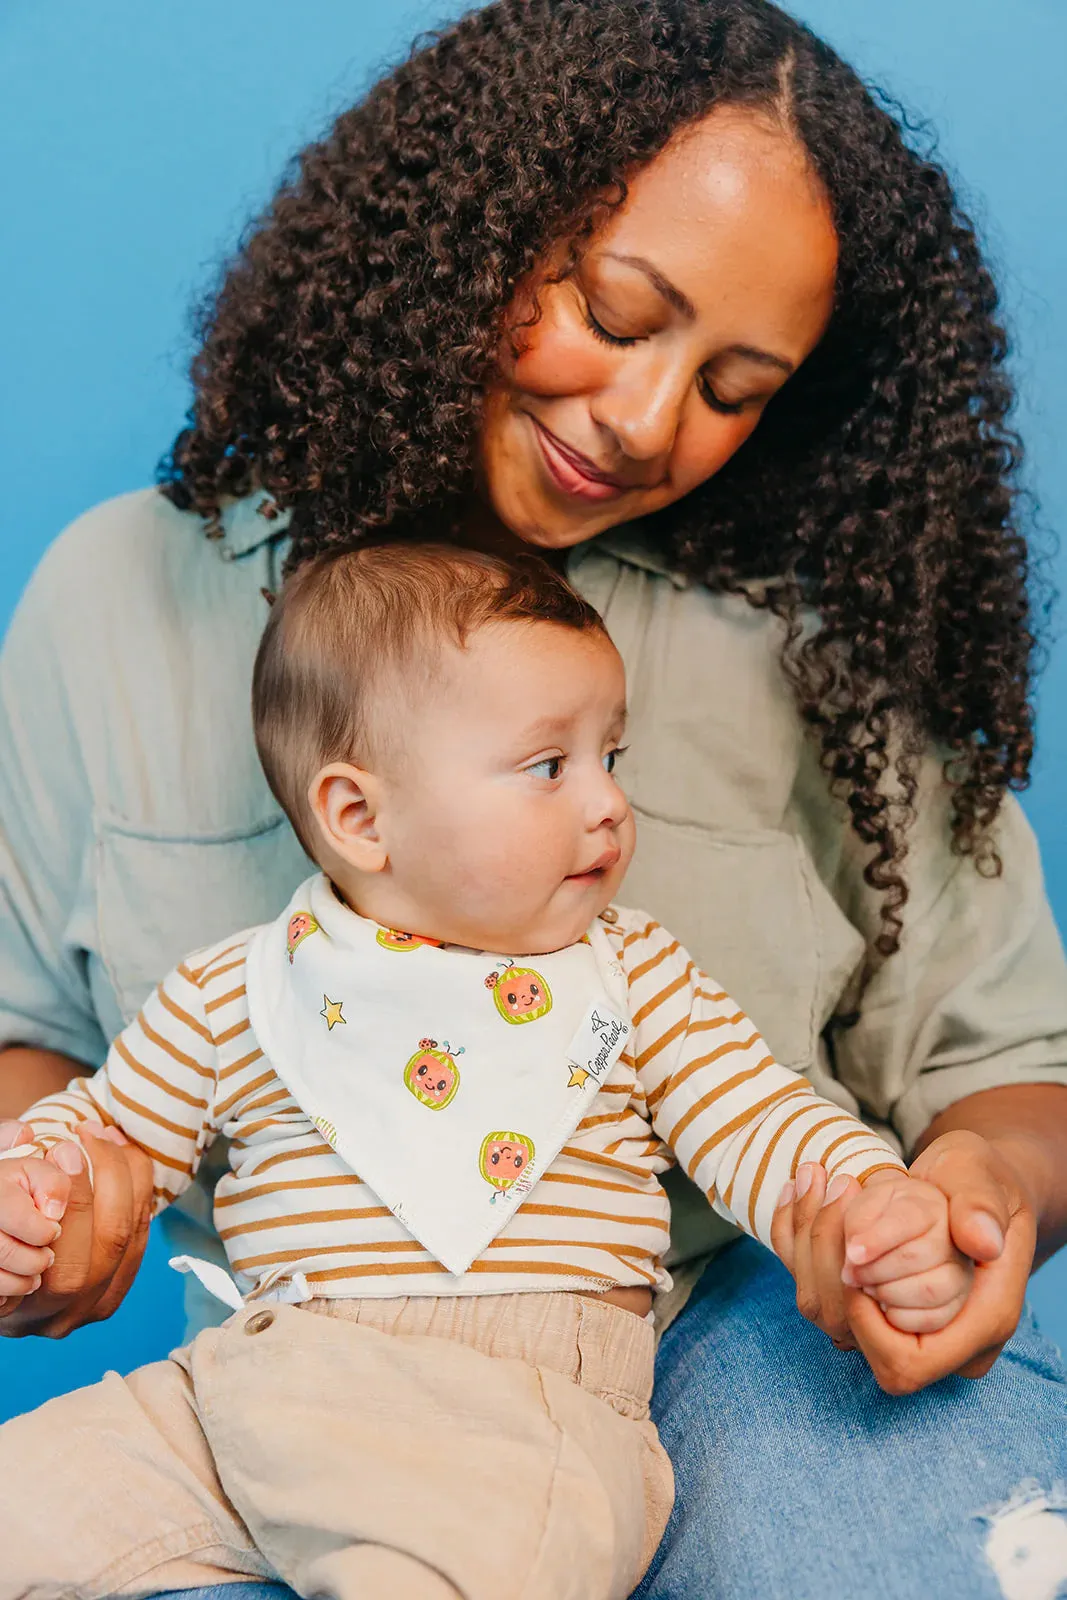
(181, 1015)
(224, 999)
(179, 1128)
(171, 1090)
(650, 965)
(728, 1129)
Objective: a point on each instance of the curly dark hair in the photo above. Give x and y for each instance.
(344, 357)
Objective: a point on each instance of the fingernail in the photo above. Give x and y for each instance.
(51, 1259)
(53, 1209)
(9, 1134)
(836, 1189)
(804, 1177)
(990, 1230)
(856, 1252)
(68, 1158)
(848, 1277)
(115, 1136)
(788, 1191)
(35, 1285)
(92, 1130)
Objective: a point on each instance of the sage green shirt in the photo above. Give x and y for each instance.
(135, 825)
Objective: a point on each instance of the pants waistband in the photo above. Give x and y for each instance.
(598, 1346)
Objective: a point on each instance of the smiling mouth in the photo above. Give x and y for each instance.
(574, 473)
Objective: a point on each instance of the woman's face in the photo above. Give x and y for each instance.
(652, 362)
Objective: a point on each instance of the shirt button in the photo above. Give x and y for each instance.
(609, 915)
(260, 1322)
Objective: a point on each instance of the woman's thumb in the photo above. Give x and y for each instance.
(978, 1224)
(14, 1133)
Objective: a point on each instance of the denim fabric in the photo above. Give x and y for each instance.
(797, 1477)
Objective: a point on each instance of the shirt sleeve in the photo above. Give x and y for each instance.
(976, 996)
(45, 831)
(158, 1085)
(738, 1122)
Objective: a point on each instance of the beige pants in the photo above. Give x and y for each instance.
(490, 1447)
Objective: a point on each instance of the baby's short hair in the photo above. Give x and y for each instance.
(352, 622)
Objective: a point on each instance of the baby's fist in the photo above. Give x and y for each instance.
(899, 1250)
(33, 1196)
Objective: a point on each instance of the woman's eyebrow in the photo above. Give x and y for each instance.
(682, 303)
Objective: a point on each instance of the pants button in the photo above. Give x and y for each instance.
(259, 1322)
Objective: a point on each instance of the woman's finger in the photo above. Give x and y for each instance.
(827, 1258)
(136, 1186)
(810, 1188)
(782, 1226)
(14, 1133)
(102, 1224)
(979, 1206)
(74, 1247)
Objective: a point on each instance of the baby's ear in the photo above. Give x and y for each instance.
(344, 801)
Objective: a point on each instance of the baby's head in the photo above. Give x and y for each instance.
(441, 727)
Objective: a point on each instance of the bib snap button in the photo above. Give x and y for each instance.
(261, 1321)
(609, 915)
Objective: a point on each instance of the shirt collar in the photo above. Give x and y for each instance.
(632, 545)
(247, 523)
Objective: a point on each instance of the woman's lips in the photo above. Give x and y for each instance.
(574, 473)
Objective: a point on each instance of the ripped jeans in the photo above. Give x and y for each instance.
(798, 1478)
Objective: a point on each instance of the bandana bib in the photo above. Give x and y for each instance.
(447, 1078)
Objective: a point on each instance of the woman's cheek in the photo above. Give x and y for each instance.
(557, 360)
(708, 447)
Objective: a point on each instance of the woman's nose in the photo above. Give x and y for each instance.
(643, 410)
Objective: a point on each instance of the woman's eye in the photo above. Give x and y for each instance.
(598, 330)
(726, 407)
(550, 768)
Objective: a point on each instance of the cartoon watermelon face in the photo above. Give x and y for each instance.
(301, 926)
(521, 995)
(432, 1075)
(393, 939)
(503, 1158)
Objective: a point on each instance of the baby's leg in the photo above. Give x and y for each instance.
(398, 1460)
(111, 1490)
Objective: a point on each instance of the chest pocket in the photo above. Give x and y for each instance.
(161, 896)
(751, 910)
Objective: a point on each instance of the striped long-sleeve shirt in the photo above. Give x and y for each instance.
(697, 1084)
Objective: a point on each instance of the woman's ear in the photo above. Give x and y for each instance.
(344, 801)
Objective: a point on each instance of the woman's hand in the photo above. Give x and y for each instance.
(102, 1239)
(992, 1222)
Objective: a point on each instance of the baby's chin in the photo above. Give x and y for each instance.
(557, 927)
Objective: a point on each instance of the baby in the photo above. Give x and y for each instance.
(451, 1074)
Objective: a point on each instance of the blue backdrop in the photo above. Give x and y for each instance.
(136, 139)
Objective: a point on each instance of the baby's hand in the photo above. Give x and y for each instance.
(33, 1197)
(899, 1250)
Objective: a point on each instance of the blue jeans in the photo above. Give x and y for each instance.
(797, 1477)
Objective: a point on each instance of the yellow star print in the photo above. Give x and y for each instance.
(578, 1078)
(331, 1010)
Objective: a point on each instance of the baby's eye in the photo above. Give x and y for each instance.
(612, 758)
(550, 768)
